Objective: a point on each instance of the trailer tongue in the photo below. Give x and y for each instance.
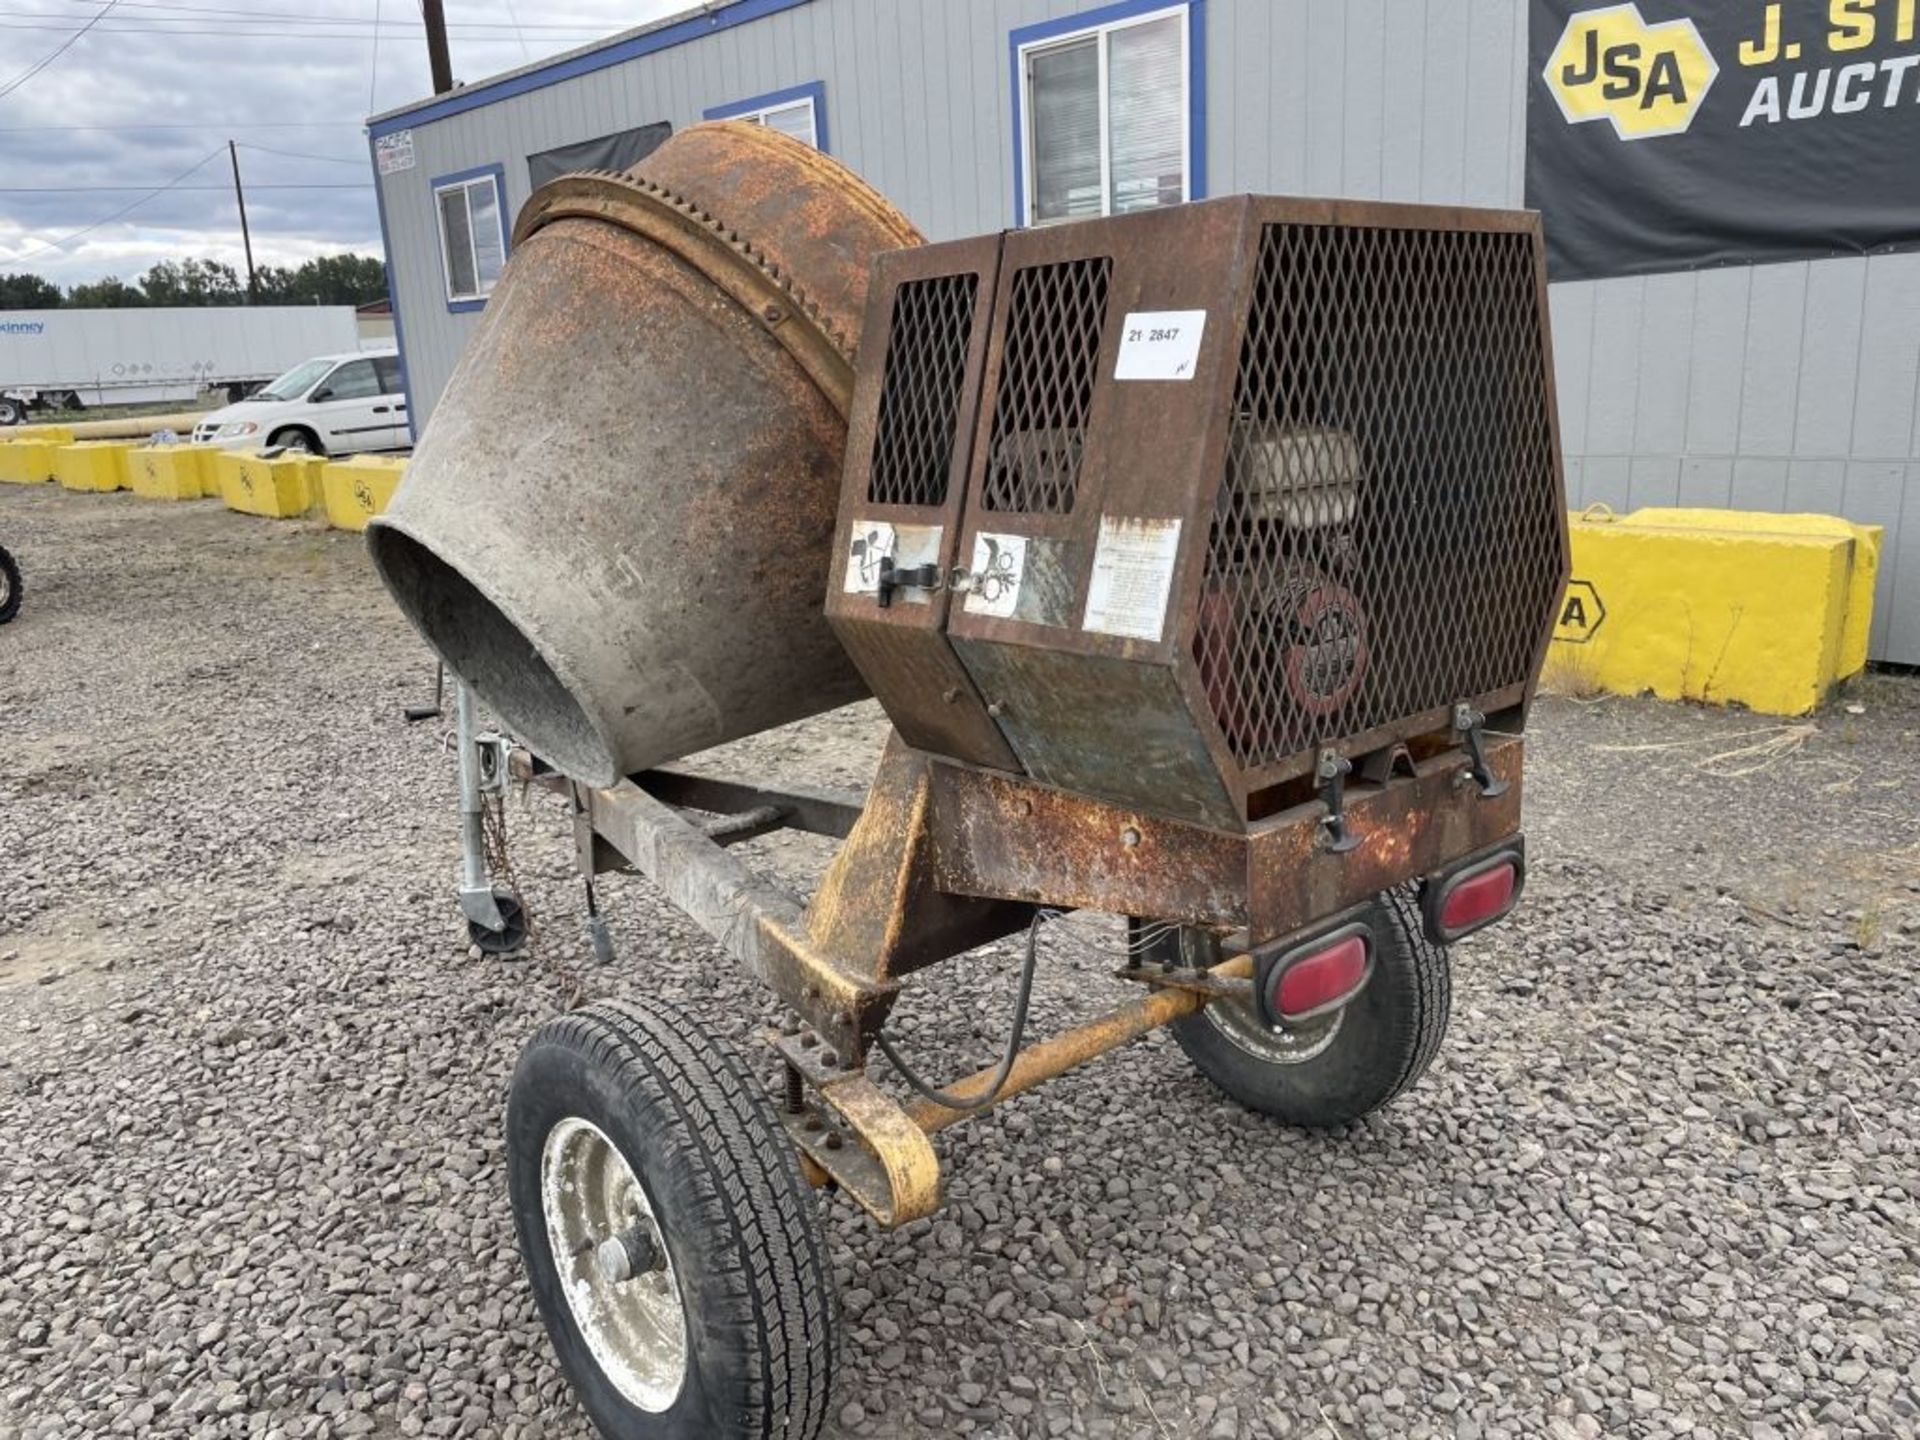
(1203, 561)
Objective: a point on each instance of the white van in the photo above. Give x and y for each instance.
(329, 405)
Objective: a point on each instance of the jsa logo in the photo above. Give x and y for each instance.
(1648, 80)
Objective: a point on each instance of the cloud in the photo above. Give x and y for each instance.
(275, 76)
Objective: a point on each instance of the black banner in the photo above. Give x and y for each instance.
(1670, 134)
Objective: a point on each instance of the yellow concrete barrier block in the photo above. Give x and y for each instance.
(1854, 635)
(92, 465)
(282, 488)
(170, 472)
(57, 434)
(27, 462)
(359, 489)
(1767, 611)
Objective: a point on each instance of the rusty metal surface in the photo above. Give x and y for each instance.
(1105, 726)
(1358, 477)
(999, 835)
(1059, 1053)
(636, 576)
(1388, 535)
(906, 470)
(807, 216)
(879, 907)
(759, 924)
(864, 1141)
(811, 809)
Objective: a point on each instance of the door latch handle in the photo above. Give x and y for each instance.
(912, 577)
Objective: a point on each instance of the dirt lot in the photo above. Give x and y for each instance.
(1664, 1180)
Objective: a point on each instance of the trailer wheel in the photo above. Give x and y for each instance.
(1336, 1069)
(672, 1244)
(12, 411)
(11, 586)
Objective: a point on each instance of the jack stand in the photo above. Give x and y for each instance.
(495, 920)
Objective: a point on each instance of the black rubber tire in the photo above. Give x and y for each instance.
(11, 586)
(737, 1218)
(12, 412)
(1388, 1035)
(513, 932)
(286, 437)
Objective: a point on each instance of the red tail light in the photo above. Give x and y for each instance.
(1475, 895)
(1320, 975)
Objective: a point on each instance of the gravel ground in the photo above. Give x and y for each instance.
(1664, 1180)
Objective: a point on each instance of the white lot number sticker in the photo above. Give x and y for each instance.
(1132, 577)
(1160, 345)
(394, 152)
(998, 561)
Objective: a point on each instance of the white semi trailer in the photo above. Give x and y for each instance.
(63, 359)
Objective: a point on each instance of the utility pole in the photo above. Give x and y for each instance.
(246, 239)
(437, 60)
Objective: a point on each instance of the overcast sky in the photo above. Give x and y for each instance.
(288, 75)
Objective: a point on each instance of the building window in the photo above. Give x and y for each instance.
(1108, 115)
(800, 112)
(473, 234)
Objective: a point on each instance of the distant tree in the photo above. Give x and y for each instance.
(324, 280)
(111, 293)
(28, 292)
(192, 282)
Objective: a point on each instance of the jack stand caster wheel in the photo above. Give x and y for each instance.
(512, 933)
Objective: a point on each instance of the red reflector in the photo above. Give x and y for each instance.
(1478, 898)
(1321, 979)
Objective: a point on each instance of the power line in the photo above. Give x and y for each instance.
(65, 240)
(193, 125)
(359, 160)
(304, 37)
(521, 35)
(299, 17)
(110, 189)
(32, 70)
(373, 69)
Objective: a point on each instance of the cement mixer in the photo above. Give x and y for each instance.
(1203, 560)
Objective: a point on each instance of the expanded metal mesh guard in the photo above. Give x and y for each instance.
(920, 403)
(1386, 524)
(1055, 316)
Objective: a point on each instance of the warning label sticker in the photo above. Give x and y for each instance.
(875, 541)
(998, 563)
(1132, 577)
(872, 542)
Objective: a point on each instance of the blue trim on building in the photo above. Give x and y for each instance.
(814, 90)
(393, 292)
(694, 27)
(1107, 15)
(499, 174)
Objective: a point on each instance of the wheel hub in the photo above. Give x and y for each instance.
(613, 1264)
(1242, 1026)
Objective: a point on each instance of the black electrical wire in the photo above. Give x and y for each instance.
(65, 45)
(1014, 1038)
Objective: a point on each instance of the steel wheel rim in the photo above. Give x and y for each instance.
(1273, 1044)
(1240, 1025)
(636, 1329)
